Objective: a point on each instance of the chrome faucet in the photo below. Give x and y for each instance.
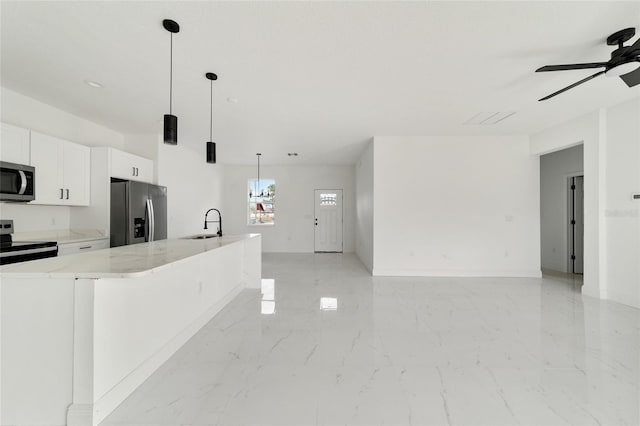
(219, 221)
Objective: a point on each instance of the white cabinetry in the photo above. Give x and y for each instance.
(81, 247)
(131, 167)
(14, 144)
(62, 171)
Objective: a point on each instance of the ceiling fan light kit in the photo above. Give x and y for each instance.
(170, 120)
(622, 69)
(624, 62)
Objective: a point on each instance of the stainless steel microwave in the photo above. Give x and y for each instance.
(17, 182)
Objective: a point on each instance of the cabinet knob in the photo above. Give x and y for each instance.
(61, 193)
(67, 194)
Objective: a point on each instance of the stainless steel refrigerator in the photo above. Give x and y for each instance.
(138, 212)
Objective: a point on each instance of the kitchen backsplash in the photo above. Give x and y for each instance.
(27, 218)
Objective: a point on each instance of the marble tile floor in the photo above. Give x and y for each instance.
(324, 343)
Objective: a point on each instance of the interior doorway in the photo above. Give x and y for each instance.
(562, 210)
(576, 224)
(328, 221)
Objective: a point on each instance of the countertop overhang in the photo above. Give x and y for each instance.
(120, 262)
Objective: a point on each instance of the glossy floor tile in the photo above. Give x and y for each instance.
(324, 343)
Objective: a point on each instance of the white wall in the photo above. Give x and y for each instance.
(611, 140)
(294, 205)
(622, 214)
(29, 113)
(193, 187)
(23, 111)
(365, 206)
(143, 144)
(586, 130)
(456, 206)
(555, 168)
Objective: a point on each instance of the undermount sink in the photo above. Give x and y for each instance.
(201, 237)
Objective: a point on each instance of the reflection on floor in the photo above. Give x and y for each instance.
(324, 343)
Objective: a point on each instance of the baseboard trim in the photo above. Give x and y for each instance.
(624, 299)
(80, 415)
(378, 272)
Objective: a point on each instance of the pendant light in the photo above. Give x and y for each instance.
(211, 145)
(170, 120)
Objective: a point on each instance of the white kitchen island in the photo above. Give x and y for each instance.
(80, 333)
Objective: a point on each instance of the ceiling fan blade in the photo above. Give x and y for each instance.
(632, 78)
(584, 80)
(572, 67)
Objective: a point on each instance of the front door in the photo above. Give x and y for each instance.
(328, 220)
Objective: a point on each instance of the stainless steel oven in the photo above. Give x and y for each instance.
(17, 182)
(17, 251)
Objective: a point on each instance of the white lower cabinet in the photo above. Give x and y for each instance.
(81, 247)
(62, 171)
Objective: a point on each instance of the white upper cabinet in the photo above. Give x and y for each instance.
(77, 174)
(131, 167)
(62, 171)
(14, 144)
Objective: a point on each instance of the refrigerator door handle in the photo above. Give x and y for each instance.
(152, 225)
(148, 220)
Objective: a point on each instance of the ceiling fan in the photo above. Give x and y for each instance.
(624, 62)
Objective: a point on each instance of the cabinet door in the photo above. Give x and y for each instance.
(131, 167)
(144, 170)
(76, 174)
(46, 157)
(14, 144)
(122, 165)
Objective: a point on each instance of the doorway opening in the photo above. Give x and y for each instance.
(562, 211)
(328, 221)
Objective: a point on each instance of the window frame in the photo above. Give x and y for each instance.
(271, 201)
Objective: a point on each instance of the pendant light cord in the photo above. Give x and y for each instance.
(171, 74)
(211, 116)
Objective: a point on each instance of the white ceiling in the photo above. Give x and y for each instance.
(318, 78)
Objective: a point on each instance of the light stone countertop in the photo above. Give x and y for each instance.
(119, 262)
(61, 236)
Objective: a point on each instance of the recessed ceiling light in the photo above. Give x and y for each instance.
(232, 100)
(94, 84)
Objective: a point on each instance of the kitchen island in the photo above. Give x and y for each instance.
(80, 333)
